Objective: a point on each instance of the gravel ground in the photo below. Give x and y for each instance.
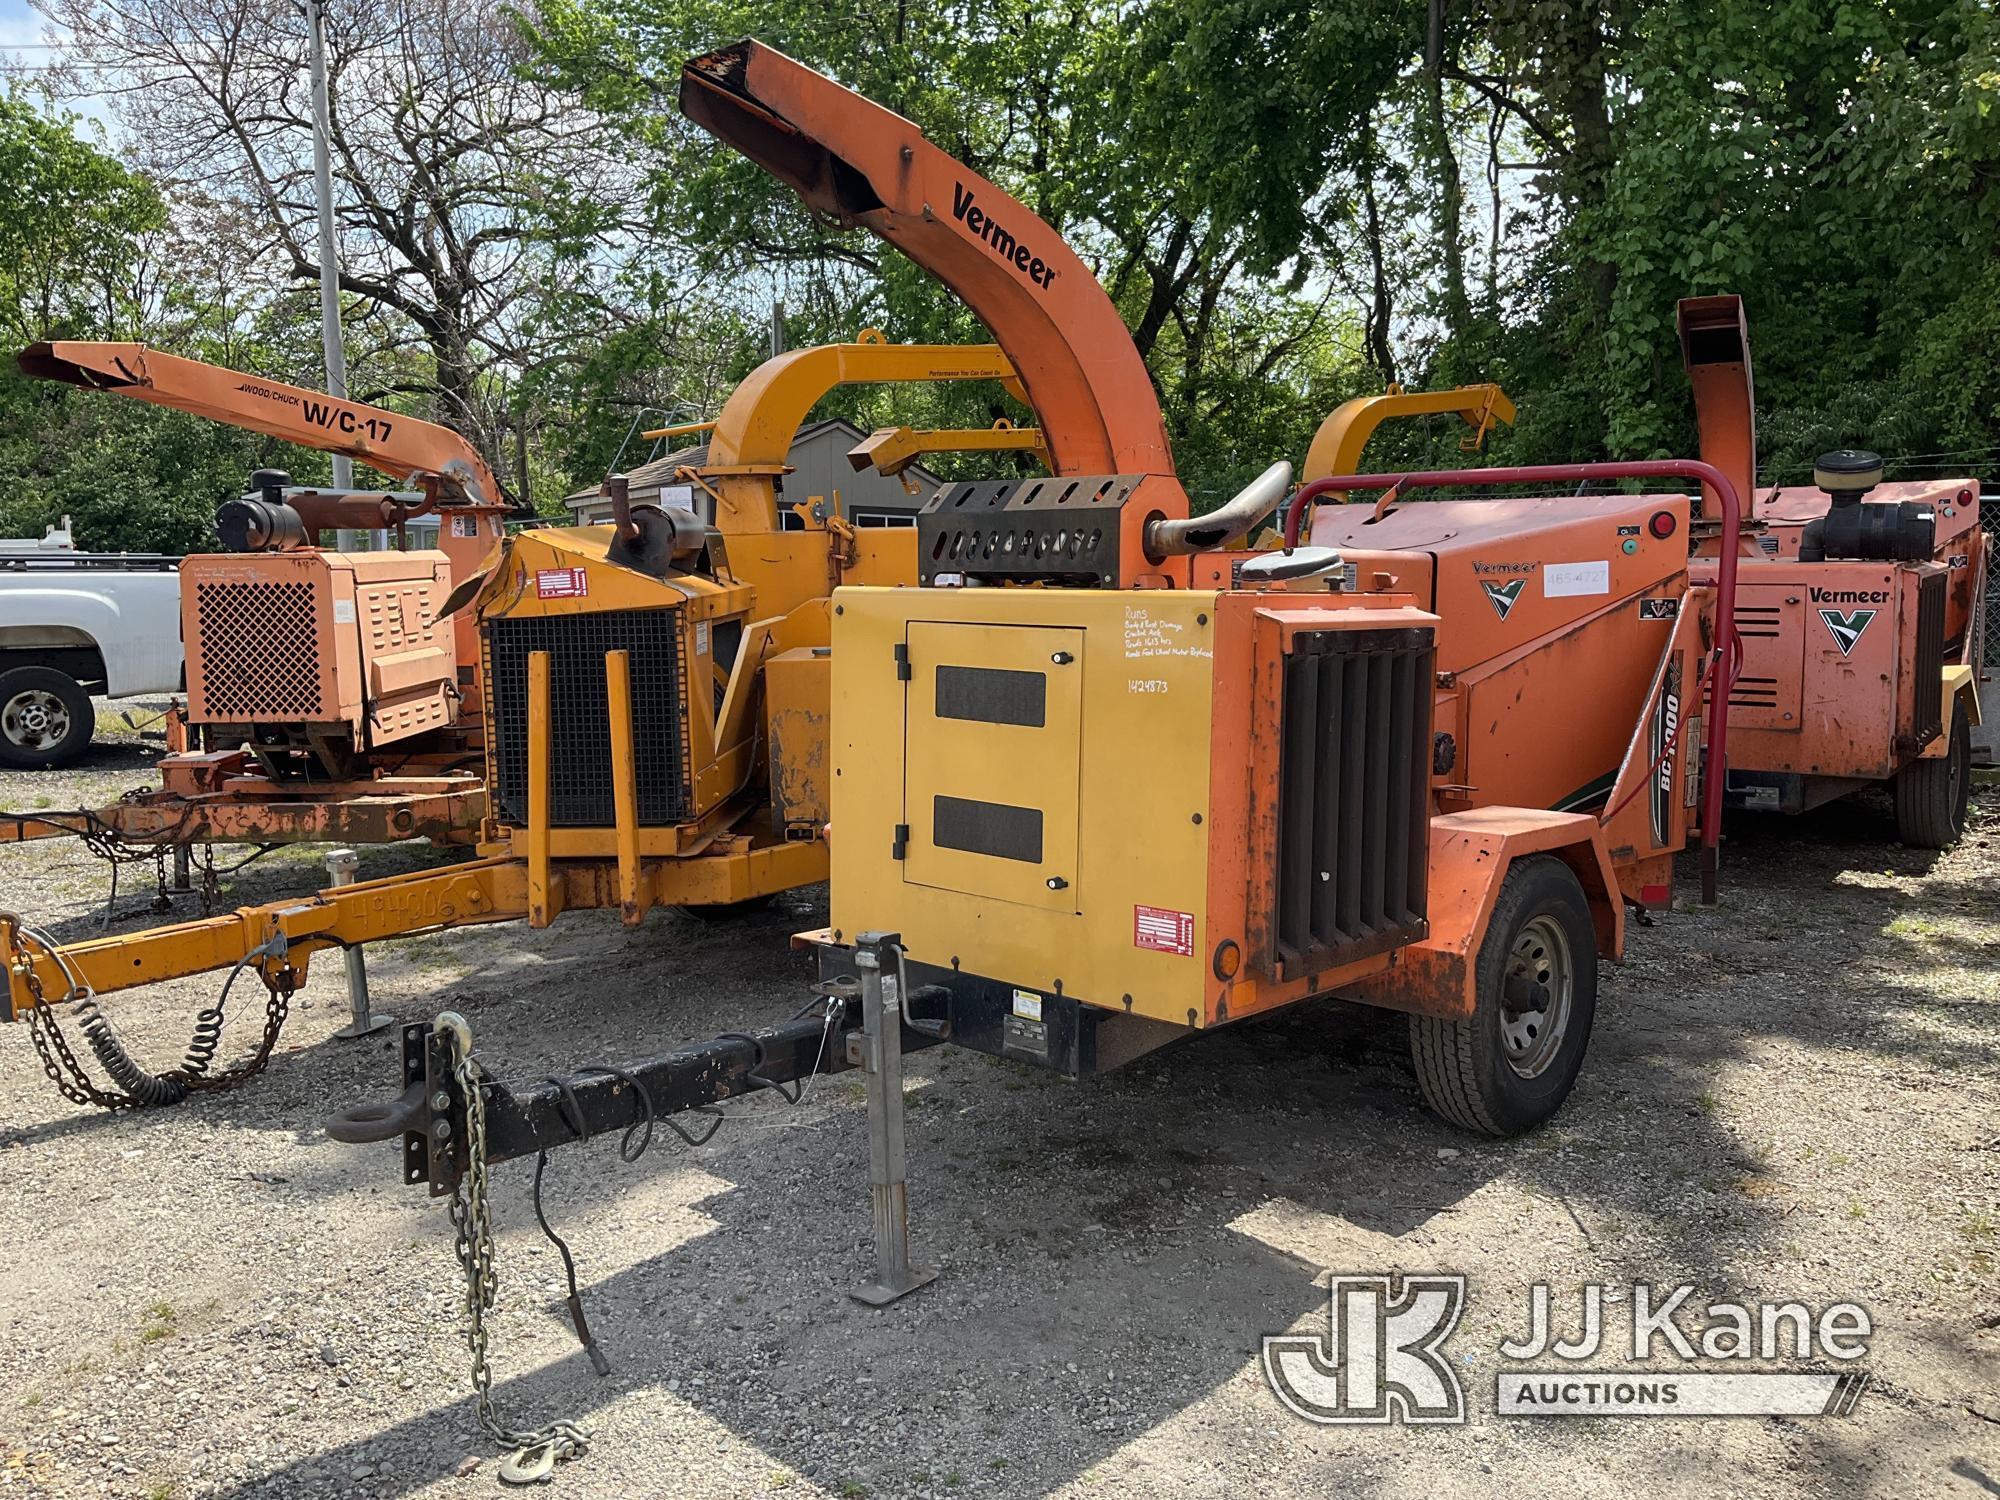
(1792, 1096)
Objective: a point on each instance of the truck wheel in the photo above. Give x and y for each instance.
(45, 718)
(1931, 794)
(1511, 1065)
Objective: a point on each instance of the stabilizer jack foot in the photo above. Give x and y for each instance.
(878, 955)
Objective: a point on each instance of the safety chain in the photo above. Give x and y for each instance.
(136, 1087)
(538, 1452)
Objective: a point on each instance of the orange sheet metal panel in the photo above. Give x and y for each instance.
(798, 687)
(1548, 608)
(262, 645)
(1470, 853)
(351, 640)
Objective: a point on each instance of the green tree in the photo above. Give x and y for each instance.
(72, 238)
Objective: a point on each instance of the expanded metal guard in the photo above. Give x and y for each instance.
(579, 714)
(258, 653)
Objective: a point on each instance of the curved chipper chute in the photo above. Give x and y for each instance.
(1337, 445)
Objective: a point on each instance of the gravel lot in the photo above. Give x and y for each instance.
(1793, 1096)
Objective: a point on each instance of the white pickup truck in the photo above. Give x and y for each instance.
(74, 624)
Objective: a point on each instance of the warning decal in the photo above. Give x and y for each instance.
(561, 583)
(1162, 931)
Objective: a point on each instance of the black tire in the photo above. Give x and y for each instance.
(45, 718)
(1931, 795)
(1499, 1072)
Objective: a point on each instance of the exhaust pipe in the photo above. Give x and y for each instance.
(1238, 517)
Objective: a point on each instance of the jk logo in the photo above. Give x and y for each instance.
(1380, 1360)
(1846, 629)
(1503, 596)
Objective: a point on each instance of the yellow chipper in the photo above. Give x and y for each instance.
(656, 695)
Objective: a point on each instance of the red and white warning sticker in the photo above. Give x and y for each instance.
(1163, 931)
(561, 583)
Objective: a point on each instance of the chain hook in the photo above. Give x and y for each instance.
(536, 1453)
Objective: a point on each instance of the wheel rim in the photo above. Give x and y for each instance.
(35, 719)
(1538, 966)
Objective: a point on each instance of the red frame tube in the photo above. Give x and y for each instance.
(1720, 680)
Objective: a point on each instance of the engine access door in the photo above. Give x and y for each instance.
(992, 760)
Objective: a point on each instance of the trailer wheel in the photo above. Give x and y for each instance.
(45, 718)
(1931, 794)
(1513, 1062)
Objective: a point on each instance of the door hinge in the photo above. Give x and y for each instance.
(902, 669)
(902, 844)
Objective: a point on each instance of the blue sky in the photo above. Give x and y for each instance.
(18, 25)
(22, 46)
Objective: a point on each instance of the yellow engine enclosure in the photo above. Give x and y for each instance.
(1093, 831)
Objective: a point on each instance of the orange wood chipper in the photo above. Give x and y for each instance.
(328, 698)
(1105, 781)
(1859, 612)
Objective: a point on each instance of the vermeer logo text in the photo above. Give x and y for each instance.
(1003, 242)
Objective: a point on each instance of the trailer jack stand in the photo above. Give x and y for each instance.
(341, 865)
(878, 1049)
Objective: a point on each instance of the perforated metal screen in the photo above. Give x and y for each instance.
(259, 656)
(580, 722)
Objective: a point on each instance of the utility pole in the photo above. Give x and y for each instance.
(777, 329)
(329, 255)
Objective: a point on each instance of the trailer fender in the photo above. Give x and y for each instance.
(1959, 687)
(1470, 854)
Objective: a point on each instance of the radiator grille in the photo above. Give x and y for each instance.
(1353, 798)
(1929, 708)
(579, 714)
(258, 655)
